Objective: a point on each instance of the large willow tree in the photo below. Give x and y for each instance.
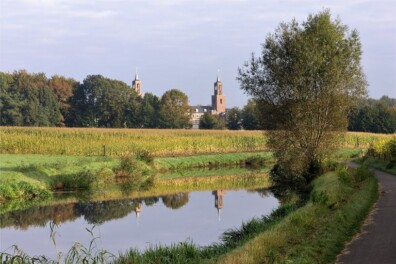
(305, 81)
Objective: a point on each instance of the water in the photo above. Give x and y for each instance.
(122, 224)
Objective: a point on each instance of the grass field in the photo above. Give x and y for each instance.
(158, 142)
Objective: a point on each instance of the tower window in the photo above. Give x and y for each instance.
(221, 101)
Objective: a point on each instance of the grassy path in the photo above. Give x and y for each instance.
(377, 241)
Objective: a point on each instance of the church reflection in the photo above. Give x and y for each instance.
(219, 201)
(138, 209)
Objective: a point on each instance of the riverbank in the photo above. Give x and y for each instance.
(27, 176)
(314, 233)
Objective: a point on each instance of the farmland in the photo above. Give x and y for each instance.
(159, 143)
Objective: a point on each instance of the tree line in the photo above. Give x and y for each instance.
(32, 99)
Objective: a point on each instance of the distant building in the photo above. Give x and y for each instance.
(137, 85)
(218, 99)
(218, 106)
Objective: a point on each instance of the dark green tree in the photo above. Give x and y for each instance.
(62, 88)
(26, 100)
(234, 119)
(149, 111)
(209, 121)
(375, 116)
(306, 79)
(250, 116)
(102, 102)
(174, 110)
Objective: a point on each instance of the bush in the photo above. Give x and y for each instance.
(255, 162)
(83, 180)
(133, 174)
(281, 177)
(145, 156)
(353, 177)
(343, 175)
(22, 189)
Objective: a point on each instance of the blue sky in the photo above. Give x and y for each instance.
(177, 43)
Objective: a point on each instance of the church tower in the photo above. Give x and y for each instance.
(137, 85)
(218, 99)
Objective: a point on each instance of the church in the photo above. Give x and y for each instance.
(218, 106)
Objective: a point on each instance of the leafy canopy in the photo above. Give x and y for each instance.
(304, 82)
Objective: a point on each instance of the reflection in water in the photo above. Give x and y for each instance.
(191, 217)
(138, 210)
(219, 201)
(175, 201)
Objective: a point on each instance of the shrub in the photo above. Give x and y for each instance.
(83, 180)
(343, 175)
(133, 174)
(353, 177)
(22, 189)
(145, 156)
(255, 162)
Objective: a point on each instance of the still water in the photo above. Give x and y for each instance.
(200, 217)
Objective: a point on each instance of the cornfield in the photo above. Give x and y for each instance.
(158, 142)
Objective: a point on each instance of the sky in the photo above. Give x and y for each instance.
(178, 44)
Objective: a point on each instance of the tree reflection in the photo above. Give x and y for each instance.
(175, 201)
(100, 212)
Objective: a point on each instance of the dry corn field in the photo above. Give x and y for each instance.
(159, 142)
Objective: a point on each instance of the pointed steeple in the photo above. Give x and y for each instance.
(136, 74)
(218, 75)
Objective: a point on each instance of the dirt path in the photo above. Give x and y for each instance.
(377, 242)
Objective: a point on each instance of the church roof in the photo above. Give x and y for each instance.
(201, 108)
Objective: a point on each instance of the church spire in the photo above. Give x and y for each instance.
(218, 75)
(137, 84)
(136, 74)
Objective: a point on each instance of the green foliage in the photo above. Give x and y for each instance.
(354, 177)
(145, 156)
(22, 190)
(209, 121)
(174, 110)
(27, 100)
(304, 82)
(133, 175)
(319, 197)
(376, 116)
(83, 180)
(101, 102)
(250, 116)
(234, 118)
(385, 150)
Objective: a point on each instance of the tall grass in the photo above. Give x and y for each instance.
(317, 232)
(157, 142)
(121, 142)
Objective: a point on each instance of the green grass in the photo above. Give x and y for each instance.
(210, 161)
(27, 176)
(314, 233)
(317, 232)
(380, 164)
(32, 173)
